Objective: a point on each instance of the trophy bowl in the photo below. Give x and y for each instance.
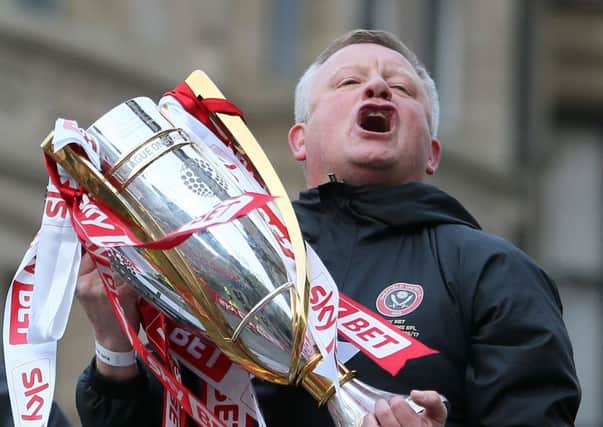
(236, 282)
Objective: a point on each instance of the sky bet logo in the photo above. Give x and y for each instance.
(22, 292)
(33, 391)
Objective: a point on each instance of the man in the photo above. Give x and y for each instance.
(367, 117)
(366, 123)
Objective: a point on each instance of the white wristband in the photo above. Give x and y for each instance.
(114, 358)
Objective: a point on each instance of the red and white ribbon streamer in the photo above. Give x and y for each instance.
(30, 368)
(38, 305)
(229, 384)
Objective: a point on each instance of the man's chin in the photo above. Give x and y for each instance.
(372, 173)
(375, 159)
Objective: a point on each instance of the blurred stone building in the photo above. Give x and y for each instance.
(521, 91)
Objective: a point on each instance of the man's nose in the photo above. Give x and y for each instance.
(377, 87)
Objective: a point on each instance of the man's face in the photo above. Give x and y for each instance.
(369, 120)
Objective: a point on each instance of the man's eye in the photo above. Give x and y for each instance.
(348, 82)
(401, 88)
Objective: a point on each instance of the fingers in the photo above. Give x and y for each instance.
(394, 413)
(398, 412)
(384, 414)
(432, 402)
(403, 414)
(93, 298)
(88, 283)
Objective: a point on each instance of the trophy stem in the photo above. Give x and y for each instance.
(354, 400)
(321, 388)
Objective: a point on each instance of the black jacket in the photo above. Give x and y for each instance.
(494, 316)
(417, 256)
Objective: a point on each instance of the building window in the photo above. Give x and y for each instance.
(284, 37)
(382, 15)
(445, 58)
(39, 6)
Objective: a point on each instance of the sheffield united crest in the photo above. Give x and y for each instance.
(399, 299)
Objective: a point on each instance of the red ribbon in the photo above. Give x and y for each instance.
(202, 108)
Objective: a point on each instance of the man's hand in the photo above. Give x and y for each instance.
(397, 412)
(91, 294)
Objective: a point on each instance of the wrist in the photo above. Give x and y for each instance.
(117, 359)
(119, 343)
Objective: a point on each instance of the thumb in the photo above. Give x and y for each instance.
(433, 404)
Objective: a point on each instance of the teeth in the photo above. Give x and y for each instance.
(375, 120)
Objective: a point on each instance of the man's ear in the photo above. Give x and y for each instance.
(297, 141)
(433, 161)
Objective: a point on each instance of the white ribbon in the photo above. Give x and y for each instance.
(57, 266)
(40, 297)
(39, 301)
(30, 368)
(59, 250)
(322, 315)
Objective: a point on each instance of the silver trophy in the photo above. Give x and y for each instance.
(231, 281)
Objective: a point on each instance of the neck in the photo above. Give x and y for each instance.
(370, 178)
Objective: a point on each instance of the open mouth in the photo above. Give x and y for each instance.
(376, 119)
